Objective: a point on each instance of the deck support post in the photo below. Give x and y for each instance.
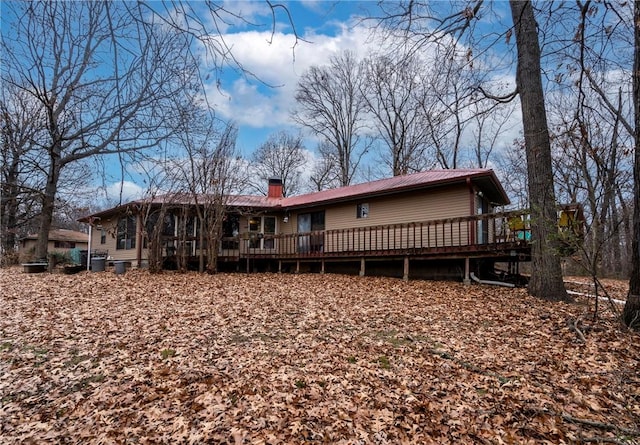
(248, 269)
(405, 275)
(322, 266)
(362, 268)
(279, 266)
(466, 280)
(297, 266)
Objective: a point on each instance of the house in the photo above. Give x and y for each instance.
(438, 220)
(60, 240)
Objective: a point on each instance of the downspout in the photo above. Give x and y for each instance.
(139, 239)
(472, 212)
(470, 228)
(91, 221)
(494, 283)
(89, 245)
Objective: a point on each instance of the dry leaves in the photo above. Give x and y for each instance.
(266, 358)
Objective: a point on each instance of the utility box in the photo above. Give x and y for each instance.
(98, 264)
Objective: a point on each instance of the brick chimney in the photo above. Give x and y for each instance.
(275, 188)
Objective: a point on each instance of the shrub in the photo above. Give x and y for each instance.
(9, 259)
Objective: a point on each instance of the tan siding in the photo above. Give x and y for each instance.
(110, 225)
(415, 207)
(289, 227)
(29, 246)
(345, 232)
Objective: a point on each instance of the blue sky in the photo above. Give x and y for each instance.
(260, 105)
(260, 100)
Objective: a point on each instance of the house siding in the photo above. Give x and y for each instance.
(29, 246)
(415, 207)
(400, 221)
(110, 225)
(345, 231)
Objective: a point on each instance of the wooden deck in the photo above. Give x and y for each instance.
(498, 236)
(461, 244)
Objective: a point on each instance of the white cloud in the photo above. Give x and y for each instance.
(278, 62)
(124, 191)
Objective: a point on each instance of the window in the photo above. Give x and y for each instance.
(169, 225)
(261, 232)
(190, 226)
(64, 244)
(156, 229)
(362, 211)
(269, 229)
(126, 236)
(317, 221)
(103, 236)
(254, 224)
(230, 230)
(311, 222)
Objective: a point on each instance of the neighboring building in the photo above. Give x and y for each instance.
(60, 240)
(444, 215)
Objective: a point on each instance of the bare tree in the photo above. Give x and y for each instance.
(591, 168)
(331, 105)
(449, 89)
(602, 49)
(281, 156)
(425, 25)
(513, 174)
(21, 177)
(488, 123)
(395, 93)
(205, 180)
(631, 313)
(219, 175)
(325, 173)
(103, 77)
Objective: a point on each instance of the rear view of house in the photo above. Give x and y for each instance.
(438, 223)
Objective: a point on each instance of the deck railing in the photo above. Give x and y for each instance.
(493, 231)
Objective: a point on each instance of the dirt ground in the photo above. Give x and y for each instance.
(269, 358)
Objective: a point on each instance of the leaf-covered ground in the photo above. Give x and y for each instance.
(267, 358)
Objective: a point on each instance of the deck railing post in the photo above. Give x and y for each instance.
(466, 280)
(405, 275)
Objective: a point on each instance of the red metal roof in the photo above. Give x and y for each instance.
(254, 201)
(397, 183)
(232, 200)
(485, 179)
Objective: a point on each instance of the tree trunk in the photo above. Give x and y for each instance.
(10, 209)
(631, 313)
(546, 277)
(48, 204)
(200, 242)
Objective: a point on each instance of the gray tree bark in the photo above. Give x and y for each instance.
(631, 313)
(546, 277)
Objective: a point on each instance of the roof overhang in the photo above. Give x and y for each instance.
(484, 180)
